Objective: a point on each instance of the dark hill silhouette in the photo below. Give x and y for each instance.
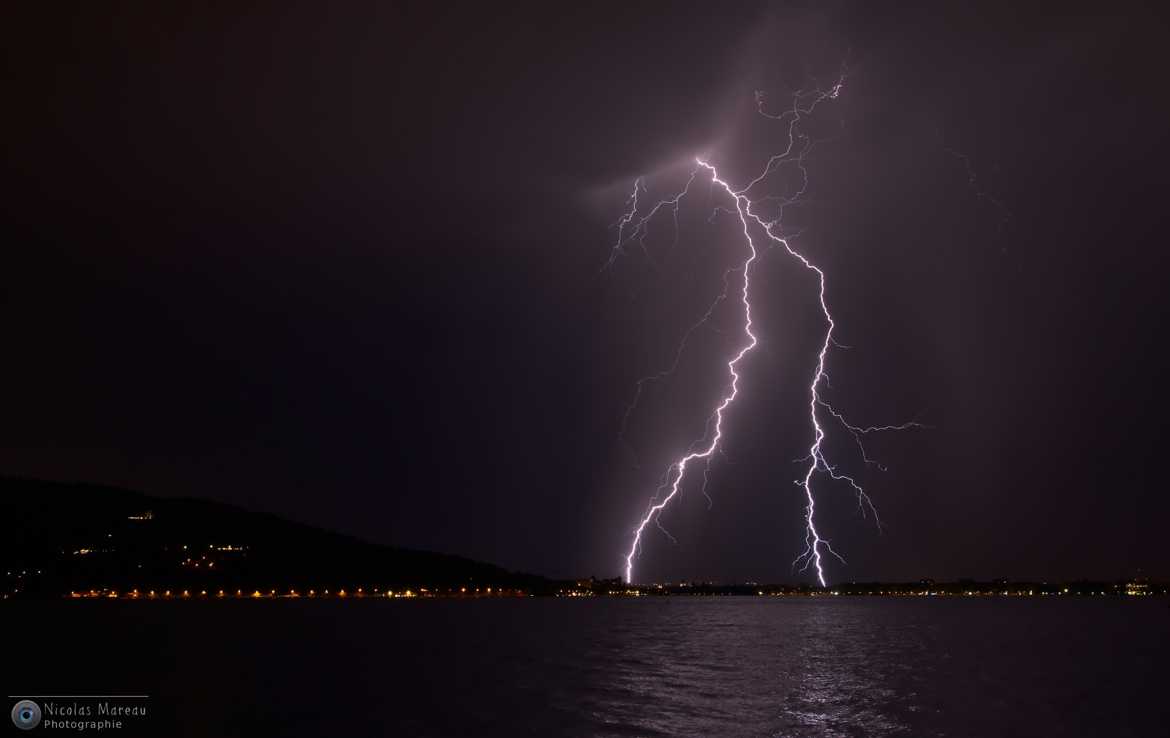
(65, 537)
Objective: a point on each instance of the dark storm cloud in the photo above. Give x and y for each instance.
(344, 266)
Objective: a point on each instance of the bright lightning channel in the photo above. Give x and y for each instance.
(634, 226)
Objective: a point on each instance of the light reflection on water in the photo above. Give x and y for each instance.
(869, 667)
(728, 666)
(755, 667)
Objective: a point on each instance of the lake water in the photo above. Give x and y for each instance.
(610, 667)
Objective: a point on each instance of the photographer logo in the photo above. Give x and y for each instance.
(26, 714)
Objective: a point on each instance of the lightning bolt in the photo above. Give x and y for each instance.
(678, 469)
(634, 225)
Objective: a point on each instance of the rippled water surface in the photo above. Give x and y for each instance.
(647, 667)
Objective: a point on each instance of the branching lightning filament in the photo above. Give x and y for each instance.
(633, 226)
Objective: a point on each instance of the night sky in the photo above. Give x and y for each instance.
(345, 266)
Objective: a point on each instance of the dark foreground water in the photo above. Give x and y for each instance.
(546, 667)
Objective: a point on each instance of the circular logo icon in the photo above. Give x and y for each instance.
(26, 715)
